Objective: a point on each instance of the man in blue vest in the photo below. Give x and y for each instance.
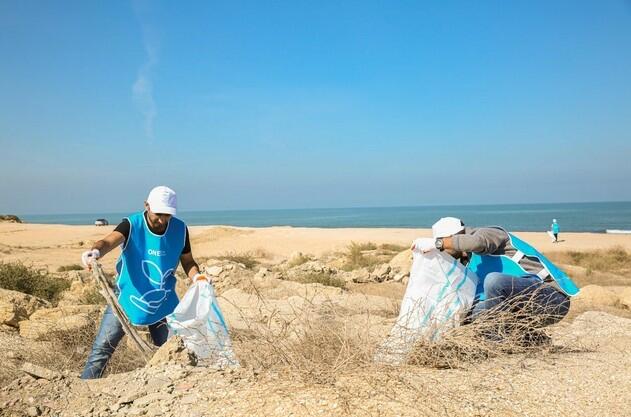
(153, 243)
(512, 274)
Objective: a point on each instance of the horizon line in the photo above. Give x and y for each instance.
(336, 208)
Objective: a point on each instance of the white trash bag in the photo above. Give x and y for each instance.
(439, 294)
(199, 322)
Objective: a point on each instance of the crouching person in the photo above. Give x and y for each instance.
(153, 243)
(514, 277)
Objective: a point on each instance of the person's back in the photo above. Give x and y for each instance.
(508, 269)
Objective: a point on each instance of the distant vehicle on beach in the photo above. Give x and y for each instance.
(101, 222)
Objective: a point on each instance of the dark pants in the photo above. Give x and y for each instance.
(527, 297)
(109, 335)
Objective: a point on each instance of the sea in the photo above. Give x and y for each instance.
(572, 217)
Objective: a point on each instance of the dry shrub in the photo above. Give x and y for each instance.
(321, 278)
(92, 296)
(298, 260)
(248, 259)
(72, 267)
(29, 280)
(392, 247)
(615, 260)
(68, 350)
(355, 257)
(314, 343)
(509, 328)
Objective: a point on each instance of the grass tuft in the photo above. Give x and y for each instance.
(72, 267)
(248, 259)
(26, 279)
(321, 278)
(355, 258)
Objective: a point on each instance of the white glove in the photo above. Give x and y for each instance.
(424, 244)
(200, 277)
(89, 256)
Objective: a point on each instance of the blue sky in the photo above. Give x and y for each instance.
(240, 105)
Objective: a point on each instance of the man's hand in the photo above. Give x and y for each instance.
(90, 255)
(424, 244)
(200, 277)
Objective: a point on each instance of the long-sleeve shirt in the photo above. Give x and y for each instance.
(491, 241)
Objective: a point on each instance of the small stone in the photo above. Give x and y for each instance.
(38, 371)
(33, 411)
(214, 271)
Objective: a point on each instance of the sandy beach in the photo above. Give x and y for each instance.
(58, 245)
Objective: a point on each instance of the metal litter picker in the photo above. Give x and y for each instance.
(108, 293)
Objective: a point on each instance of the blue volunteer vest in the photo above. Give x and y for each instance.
(483, 265)
(146, 270)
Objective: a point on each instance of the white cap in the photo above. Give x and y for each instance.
(447, 226)
(554, 220)
(162, 200)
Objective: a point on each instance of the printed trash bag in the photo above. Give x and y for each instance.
(199, 322)
(439, 294)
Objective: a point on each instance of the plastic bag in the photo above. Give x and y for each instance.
(439, 294)
(198, 321)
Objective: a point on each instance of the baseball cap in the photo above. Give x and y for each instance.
(162, 200)
(447, 226)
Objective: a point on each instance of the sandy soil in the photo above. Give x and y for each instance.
(585, 373)
(57, 245)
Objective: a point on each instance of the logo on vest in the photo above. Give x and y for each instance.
(154, 252)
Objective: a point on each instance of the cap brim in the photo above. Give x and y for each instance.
(162, 210)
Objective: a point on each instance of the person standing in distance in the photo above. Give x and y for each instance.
(153, 243)
(554, 227)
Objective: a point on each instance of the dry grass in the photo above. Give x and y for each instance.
(355, 257)
(248, 259)
(93, 297)
(315, 343)
(392, 247)
(511, 328)
(72, 267)
(321, 278)
(29, 280)
(615, 260)
(298, 260)
(66, 350)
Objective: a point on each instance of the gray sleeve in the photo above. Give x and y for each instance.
(485, 240)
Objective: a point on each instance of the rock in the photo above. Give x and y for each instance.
(625, 298)
(67, 319)
(402, 263)
(262, 273)
(399, 277)
(78, 290)
(16, 306)
(214, 270)
(10, 218)
(33, 411)
(39, 372)
(173, 351)
(360, 276)
(381, 273)
(595, 295)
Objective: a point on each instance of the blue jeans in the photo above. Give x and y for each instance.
(109, 335)
(525, 296)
